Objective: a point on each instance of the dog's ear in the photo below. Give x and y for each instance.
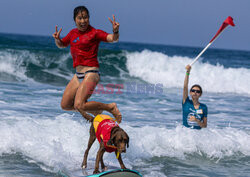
(112, 136)
(111, 140)
(128, 140)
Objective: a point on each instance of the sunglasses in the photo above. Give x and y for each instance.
(196, 91)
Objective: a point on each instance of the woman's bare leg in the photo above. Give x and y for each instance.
(85, 90)
(68, 98)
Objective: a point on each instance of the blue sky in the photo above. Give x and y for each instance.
(171, 22)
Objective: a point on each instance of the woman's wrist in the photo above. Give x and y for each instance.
(116, 31)
(187, 73)
(59, 43)
(58, 39)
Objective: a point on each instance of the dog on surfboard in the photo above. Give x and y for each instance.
(111, 137)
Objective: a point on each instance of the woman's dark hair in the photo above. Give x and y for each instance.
(196, 85)
(80, 9)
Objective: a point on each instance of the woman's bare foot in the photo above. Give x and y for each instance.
(115, 111)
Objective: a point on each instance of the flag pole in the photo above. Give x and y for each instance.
(200, 54)
(228, 21)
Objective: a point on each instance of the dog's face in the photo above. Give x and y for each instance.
(119, 139)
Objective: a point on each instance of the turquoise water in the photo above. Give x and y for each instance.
(37, 138)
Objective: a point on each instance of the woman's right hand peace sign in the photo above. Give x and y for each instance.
(56, 35)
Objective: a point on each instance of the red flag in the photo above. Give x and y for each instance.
(228, 21)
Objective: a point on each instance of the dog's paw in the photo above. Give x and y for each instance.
(96, 171)
(105, 168)
(84, 165)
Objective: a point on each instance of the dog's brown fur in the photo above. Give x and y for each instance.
(118, 138)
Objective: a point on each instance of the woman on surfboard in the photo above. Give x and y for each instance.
(84, 42)
(194, 112)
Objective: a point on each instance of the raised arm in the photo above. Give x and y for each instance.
(56, 36)
(115, 36)
(185, 88)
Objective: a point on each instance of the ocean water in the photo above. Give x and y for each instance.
(39, 139)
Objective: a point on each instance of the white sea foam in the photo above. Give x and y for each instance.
(154, 173)
(49, 91)
(11, 63)
(2, 102)
(156, 67)
(14, 63)
(60, 143)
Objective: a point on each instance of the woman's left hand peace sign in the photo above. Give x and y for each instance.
(115, 25)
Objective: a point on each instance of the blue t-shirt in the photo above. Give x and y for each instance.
(189, 110)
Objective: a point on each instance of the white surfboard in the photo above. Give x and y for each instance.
(109, 173)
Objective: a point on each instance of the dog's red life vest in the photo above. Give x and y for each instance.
(103, 125)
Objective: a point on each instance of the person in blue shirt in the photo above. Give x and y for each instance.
(194, 112)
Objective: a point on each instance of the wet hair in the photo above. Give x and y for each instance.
(196, 85)
(80, 9)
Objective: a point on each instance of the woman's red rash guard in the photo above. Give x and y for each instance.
(84, 45)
